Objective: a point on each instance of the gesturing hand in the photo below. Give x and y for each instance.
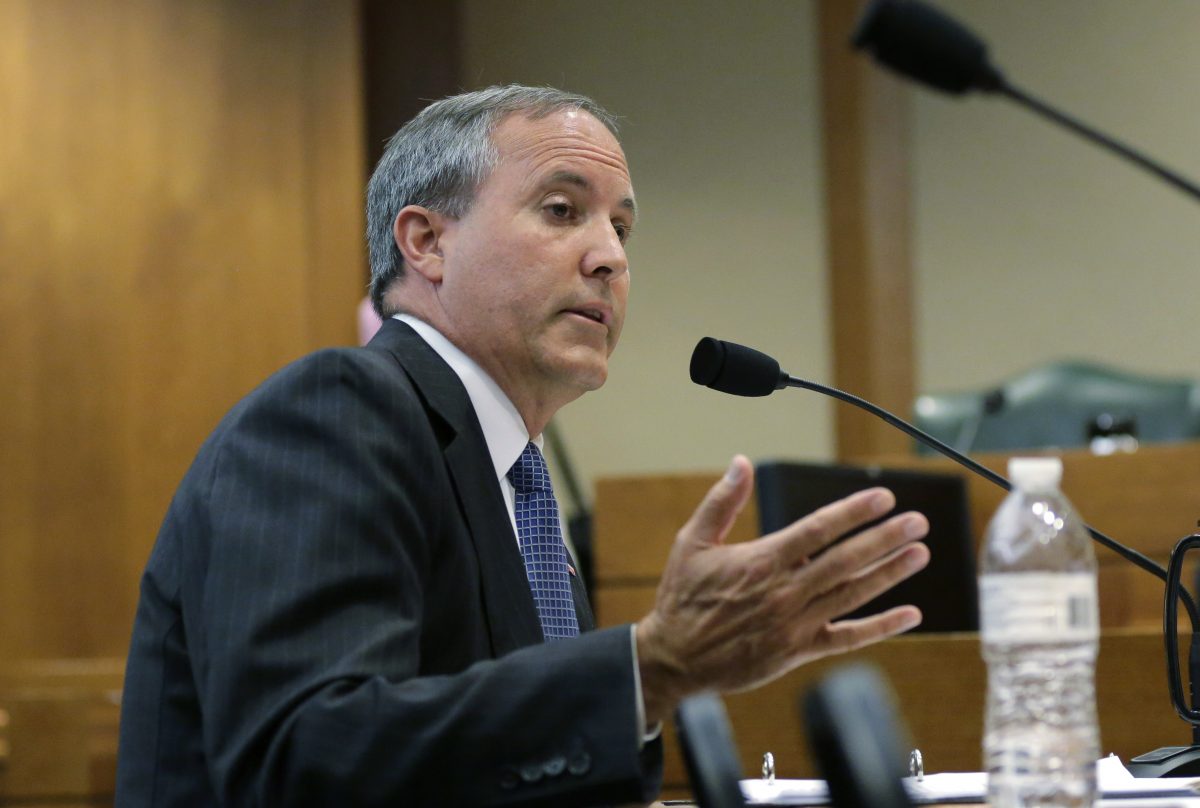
(732, 617)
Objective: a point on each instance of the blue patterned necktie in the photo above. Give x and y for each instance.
(542, 545)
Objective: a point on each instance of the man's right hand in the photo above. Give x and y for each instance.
(732, 617)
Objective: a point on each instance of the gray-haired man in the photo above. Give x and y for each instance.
(342, 606)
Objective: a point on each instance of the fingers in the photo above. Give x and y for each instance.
(856, 570)
(852, 556)
(715, 514)
(808, 536)
(849, 635)
(735, 617)
(870, 583)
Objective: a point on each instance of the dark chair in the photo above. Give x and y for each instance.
(709, 752)
(1063, 405)
(858, 742)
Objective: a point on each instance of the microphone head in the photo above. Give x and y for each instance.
(736, 369)
(921, 42)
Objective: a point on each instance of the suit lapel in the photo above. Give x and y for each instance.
(510, 612)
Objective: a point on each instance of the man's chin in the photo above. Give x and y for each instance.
(583, 373)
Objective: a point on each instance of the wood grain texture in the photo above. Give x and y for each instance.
(865, 139)
(180, 197)
(59, 730)
(636, 519)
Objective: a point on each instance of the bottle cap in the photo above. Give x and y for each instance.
(1035, 472)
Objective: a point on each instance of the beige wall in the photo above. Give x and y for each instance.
(1027, 243)
(1031, 244)
(720, 106)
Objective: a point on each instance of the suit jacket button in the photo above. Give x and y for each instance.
(531, 772)
(580, 763)
(555, 766)
(509, 779)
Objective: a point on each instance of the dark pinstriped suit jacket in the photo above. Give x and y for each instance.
(336, 613)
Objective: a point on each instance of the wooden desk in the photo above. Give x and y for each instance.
(1148, 500)
(940, 682)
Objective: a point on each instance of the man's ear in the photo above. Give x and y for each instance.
(418, 232)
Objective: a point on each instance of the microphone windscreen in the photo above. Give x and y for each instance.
(733, 368)
(921, 42)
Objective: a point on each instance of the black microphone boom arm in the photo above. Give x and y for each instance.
(1128, 553)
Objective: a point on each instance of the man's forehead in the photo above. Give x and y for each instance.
(549, 144)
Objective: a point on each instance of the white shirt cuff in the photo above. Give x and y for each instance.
(648, 734)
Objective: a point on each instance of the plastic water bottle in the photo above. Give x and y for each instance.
(1040, 630)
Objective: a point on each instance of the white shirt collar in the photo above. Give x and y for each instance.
(503, 428)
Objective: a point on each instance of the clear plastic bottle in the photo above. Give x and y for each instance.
(1040, 630)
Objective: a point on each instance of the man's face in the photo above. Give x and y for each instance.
(535, 277)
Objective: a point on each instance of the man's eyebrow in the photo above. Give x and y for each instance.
(580, 181)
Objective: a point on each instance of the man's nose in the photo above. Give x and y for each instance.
(606, 258)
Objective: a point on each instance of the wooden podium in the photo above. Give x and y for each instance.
(1148, 500)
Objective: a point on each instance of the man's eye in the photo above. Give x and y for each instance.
(559, 210)
(623, 231)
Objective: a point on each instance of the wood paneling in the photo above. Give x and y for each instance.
(636, 519)
(180, 197)
(401, 81)
(58, 730)
(865, 134)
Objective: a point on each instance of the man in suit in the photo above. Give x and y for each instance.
(359, 595)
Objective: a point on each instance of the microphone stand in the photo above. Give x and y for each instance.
(921, 42)
(1167, 761)
(1099, 138)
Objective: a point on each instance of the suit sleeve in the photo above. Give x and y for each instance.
(303, 605)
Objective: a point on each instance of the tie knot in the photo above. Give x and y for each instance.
(529, 473)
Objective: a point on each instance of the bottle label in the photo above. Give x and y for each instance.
(1021, 607)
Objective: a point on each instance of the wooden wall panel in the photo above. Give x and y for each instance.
(180, 215)
(865, 137)
(58, 731)
(400, 81)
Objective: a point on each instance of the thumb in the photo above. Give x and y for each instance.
(713, 517)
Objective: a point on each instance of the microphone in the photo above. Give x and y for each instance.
(741, 371)
(735, 369)
(993, 402)
(923, 43)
